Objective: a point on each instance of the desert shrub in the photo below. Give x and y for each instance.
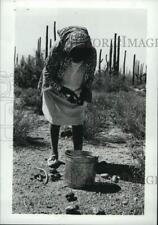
(31, 97)
(17, 91)
(137, 150)
(129, 109)
(110, 83)
(95, 116)
(92, 122)
(27, 73)
(22, 126)
(103, 100)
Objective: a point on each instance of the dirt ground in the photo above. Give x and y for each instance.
(31, 196)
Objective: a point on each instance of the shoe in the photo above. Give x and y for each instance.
(53, 162)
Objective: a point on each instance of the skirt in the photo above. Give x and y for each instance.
(59, 111)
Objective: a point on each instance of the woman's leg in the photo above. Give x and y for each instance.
(77, 135)
(54, 134)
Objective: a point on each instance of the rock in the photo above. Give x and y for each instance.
(105, 175)
(72, 210)
(76, 207)
(125, 202)
(66, 133)
(71, 194)
(136, 199)
(115, 179)
(98, 211)
(57, 176)
(71, 197)
(53, 170)
(49, 207)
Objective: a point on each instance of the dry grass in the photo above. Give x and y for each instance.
(129, 109)
(23, 123)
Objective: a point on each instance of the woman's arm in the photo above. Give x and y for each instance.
(86, 93)
(49, 78)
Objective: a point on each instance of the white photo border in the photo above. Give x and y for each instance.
(6, 120)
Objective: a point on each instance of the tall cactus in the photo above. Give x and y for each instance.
(50, 43)
(46, 48)
(14, 55)
(124, 62)
(134, 60)
(145, 74)
(118, 56)
(141, 72)
(107, 63)
(39, 45)
(54, 30)
(17, 59)
(138, 68)
(114, 56)
(110, 57)
(100, 60)
(38, 51)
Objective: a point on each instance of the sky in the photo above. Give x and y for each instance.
(30, 24)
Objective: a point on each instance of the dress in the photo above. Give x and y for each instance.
(58, 110)
(60, 71)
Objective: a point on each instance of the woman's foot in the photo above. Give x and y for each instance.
(53, 162)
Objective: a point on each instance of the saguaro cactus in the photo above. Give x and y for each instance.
(145, 74)
(107, 63)
(110, 57)
(134, 60)
(50, 43)
(14, 55)
(141, 72)
(100, 60)
(46, 49)
(118, 55)
(38, 51)
(124, 62)
(114, 56)
(39, 45)
(54, 30)
(138, 68)
(17, 59)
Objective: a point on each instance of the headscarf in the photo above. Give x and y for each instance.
(74, 36)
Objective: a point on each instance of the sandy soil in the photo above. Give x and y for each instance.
(31, 196)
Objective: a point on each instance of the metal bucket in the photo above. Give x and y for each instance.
(79, 168)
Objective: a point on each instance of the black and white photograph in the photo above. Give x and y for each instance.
(79, 112)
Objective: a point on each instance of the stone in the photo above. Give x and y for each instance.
(115, 179)
(125, 202)
(105, 175)
(98, 211)
(71, 197)
(72, 210)
(136, 199)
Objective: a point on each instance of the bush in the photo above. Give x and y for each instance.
(138, 155)
(95, 116)
(31, 98)
(28, 72)
(129, 109)
(105, 82)
(22, 126)
(92, 123)
(17, 91)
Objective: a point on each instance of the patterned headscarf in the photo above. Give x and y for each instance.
(74, 36)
